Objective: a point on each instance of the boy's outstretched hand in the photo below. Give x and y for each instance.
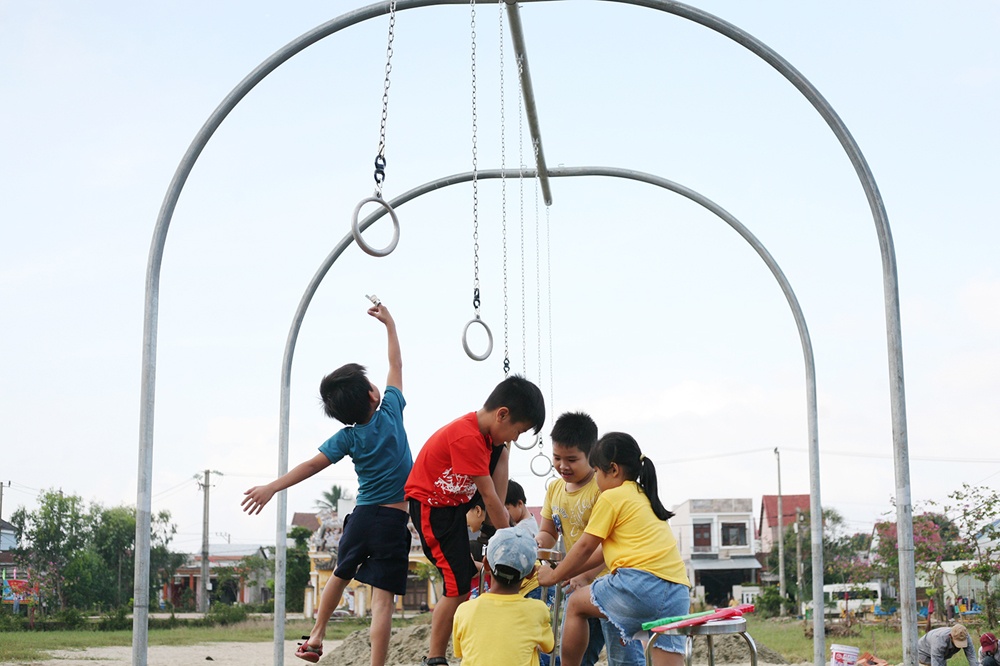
(256, 498)
(381, 313)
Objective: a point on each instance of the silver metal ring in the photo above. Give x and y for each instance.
(548, 462)
(356, 231)
(465, 340)
(534, 442)
(548, 481)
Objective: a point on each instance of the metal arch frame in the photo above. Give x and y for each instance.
(890, 283)
(566, 172)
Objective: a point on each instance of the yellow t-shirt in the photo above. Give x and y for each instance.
(632, 535)
(501, 630)
(572, 508)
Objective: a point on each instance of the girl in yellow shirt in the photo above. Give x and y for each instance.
(647, 579)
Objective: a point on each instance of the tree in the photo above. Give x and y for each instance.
(56, 532)
(297, 569)
(978, 529)
(331, 497)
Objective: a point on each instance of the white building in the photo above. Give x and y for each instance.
(716, 541)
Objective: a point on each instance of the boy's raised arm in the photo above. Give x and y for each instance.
(395, 377)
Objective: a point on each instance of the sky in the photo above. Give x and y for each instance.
(622, 299)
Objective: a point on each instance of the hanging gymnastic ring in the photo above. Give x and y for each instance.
(547, 461)
(465, 340)
(534, 443)
(356, 231)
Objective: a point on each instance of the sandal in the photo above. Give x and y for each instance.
(308, 652)
(434, 661)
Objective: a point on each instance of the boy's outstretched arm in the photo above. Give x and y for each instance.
(395, 377)
(258, 496)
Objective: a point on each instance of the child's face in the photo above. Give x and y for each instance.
(504, 429)
(610, 479)
(570, 463)
(475, 518)
(518, 512)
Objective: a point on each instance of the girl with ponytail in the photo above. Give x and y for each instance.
(647, 579)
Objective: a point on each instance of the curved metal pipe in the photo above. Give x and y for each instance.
(890, 292)
(567, 172)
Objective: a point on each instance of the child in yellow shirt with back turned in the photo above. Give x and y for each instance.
(477, 637)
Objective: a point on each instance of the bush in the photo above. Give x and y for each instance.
(116, 620)
(225, 614)
(768, 602)
(70, 618)
(10, 622)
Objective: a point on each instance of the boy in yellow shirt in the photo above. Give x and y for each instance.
(566, 511)
(526, 628)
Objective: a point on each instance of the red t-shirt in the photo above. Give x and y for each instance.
(442, 473)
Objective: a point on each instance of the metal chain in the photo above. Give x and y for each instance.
(548, 295)
(520, 178)
(475, 174)
(503, 201)
(380, 158)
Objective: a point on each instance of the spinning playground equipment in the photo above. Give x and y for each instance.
(542, 173)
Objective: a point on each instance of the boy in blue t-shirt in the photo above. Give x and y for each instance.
(375, 545)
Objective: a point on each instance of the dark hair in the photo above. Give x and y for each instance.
(575, 430)
(622, 450)
(508, 577)
(345, 394)
(477, 500)
(522, 398)
(515, 493)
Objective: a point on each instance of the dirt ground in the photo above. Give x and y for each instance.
(406, 648)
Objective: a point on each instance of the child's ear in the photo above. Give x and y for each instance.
(502, 414)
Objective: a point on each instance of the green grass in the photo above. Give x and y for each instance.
(27, 646)
(885, 641)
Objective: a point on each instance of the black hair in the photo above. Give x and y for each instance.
(477, 500)
(515, 493)
(508, 577)
(575, 430)
(522, 398)
(345, 394)
(622, 450)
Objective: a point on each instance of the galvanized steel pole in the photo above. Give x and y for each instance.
(530, 108)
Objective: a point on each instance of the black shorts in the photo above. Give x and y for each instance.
(444, 534)
(375, 548)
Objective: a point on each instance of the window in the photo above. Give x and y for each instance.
(734, 534)
(703, 535)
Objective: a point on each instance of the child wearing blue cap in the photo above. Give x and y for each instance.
(511, 555)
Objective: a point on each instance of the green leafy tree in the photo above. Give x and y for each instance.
(297, 569)
(975, 509)
(113, 538)
(331, 497)
(54, 533)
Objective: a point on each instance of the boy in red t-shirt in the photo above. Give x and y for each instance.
(467, 456)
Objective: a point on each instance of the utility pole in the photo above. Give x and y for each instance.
(203, 587)
(781, 539)
(798, 561)
(2, 484)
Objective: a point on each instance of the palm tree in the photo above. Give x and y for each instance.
(330, 497)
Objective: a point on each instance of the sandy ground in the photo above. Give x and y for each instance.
(221, 654)
(406, 647)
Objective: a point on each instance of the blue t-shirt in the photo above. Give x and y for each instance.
(379, 449)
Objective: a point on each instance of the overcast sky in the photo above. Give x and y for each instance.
(664, 322)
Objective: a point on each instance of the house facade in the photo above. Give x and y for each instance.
(249, 589)
(768, 522)
(716, 539)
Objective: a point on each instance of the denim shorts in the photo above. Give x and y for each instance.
(629, 597)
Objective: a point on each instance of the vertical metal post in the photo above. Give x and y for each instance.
(781, 539)
(203, 587)
(798, 557)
